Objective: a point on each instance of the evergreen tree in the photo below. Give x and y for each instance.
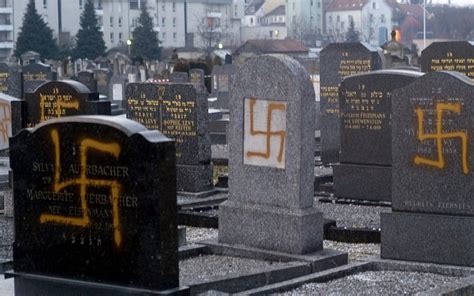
(145, 43)
(89, 40)
(352, 35)
(35, 35)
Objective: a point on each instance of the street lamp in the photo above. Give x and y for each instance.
(220, 45)
(129, 43)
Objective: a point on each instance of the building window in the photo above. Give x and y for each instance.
(342, 25)
(111, 21)
(174, 7)
(120, 37)
(135, 4)
(174, 22)
(163, 7)
(338, 19)
(120, 21)
(330, 19)
(351, 19)
(45, 4)
(135, 22)
(163, 22)
(81, 4)
(251, 20)
(374, 5)
(382, 18)
(174, 36)
(163, 35)
(371, 18)
(111, 37)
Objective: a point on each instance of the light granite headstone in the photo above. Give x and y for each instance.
(339, 60)
(271, 171)
(11, 118)
(432, 217)
(179, 111)
(365, 103)
(449, 56)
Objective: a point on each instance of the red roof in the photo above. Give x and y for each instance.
(343, 5)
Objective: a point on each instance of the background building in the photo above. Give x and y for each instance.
(304, 20)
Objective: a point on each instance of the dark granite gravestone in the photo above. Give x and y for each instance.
(366, 141)
(179, 111)
(102, 76)
(449, 56)
(56, 99)
(10, 118)
(222, 77)
(271, 159)
(87, 78)
(95, 200)
(339, 60)
(35, 74)
(179, 77)
(196, 76)
(11, 80)
(432, 217)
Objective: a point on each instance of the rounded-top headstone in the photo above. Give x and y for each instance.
(449, 56)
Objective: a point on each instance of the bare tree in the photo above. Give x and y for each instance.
(211, 31)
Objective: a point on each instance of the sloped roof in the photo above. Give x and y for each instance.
(344, 5)
(272, 46)
(254, 7)
(279, 10)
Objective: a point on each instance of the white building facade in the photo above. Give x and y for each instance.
(6, 28)
(304, 17)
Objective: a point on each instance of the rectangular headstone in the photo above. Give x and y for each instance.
(56, 99)
(102, 76)
(95, 200)
(11, 80)
(196, 76)
(432, 144)
(271, 171)
(179, 111)
(117, 85)
(449, 56)
(179, 77)
(36, 74)
(365, 103)
(222, 77)
(10, 118)
(87, 78)
(339, 60)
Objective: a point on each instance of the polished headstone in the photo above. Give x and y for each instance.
(179, 111)
(35, 74)
(95, 200)
(449, 56)
(87, 78)
(433, 178)
(11, 80)
(271, 171)
(339, 60)
(56, 99)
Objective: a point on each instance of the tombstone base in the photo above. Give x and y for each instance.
(27, 284)
(363, 182)
(293, 231)
(430, 238)
(194, 178)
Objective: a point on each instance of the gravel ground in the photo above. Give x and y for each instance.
(322, 171)
(349, 215)
(195, 234)
(204, 268)
(6, 238)
(376, 283)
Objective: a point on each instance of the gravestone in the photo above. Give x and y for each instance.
(10, 118)
(222, 77)
(196, 76)
(449, 56)
(85, 208)
(87, 78)
(432, 217)
(179, 77)
(11, 80)
(339, 60)
(117, 85)
(271, 159)
(56, 99)
(35, 74)
(179, 111)
(365, 103)
(102, 76)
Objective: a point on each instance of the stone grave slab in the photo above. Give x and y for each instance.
(179, 77)
(196, 76)
(95, 201)
(179, 111)
(102, 76)
(11, 80)
(449, 56)
(271, 171)
(339, 60)
(432, 207)
(222, 77)
(35, 74)
(365, 104)
(10, 118)
(117, 85)
(56, 99)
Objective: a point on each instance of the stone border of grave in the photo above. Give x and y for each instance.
(298, 266)
(377, 264)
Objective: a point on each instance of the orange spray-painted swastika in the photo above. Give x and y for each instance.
(5, 121)
(439, 137)
(84, 182)
(268, 132)
(59, 106)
